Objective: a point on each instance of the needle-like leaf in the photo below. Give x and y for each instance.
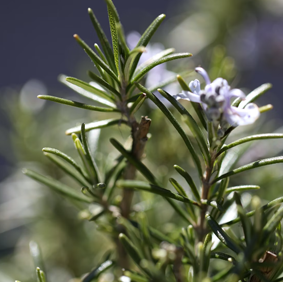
(103, 39)
(95, 58)
(98, 270)
(249, 139)
(174, 122)
(138, 164)
(147, 68)
(91, 163)
(76, 104)
(252, 96)
(68, 159)
(189, 120)
(189, 180)
(140, 185)
(57, 186)
(253, 165)
(222, 236)
(154, 58)
(66, 169)
(96, 125)
(87, 90)
(145, 38)
(115, 43)
(103, 83)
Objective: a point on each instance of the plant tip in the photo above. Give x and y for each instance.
(121, 235)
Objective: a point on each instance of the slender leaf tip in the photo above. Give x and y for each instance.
(162, 16)
(122, 235)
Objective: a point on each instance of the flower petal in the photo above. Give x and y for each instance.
(236, 116)
(204, 74)
(237, 93)
(189, 96)
(195, 86)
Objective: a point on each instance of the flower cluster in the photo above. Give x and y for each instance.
(216, 101)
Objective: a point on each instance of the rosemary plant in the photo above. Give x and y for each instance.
(247, 246)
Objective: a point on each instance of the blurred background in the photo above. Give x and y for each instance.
(241, 41)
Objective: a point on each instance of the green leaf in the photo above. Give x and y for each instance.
(249, 139)
(96, 125)
(153, 59)
(206, 253)
(135, 277)
(131, 249)
(137, 163)
(87, 90)
(181, 212)
(253, 165)
(86, 159)
(113, 10)
(196, 106)
(38, 275)
(103, 39)
(137, 104)
(131, 58)
(241, 188)
(174, 122)
(93, 170)
(266, 207)
(122, 39)
(247, 226)
(255, 94)
(103, 83)
(140, 185)
(160, 235)
(223, 256)
(222, 236)
(111, 172)
(252, 96)
(180, 190)
(36, 255)
(57, 186)
(94, 217)
(42, 275)
(145, 38)
(98, 270)
(109, 192)
(265, 108)
(189, 180)
(189, 120)
(95, 58)
(76, 104)
(67, 169)
(272, 224)
(222, 189)
(67, 159)
(147, 68)
(100, 53)
(115, 43)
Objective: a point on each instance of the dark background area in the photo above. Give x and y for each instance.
(36, 36)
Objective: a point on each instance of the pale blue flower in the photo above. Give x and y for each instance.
(216, 100)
